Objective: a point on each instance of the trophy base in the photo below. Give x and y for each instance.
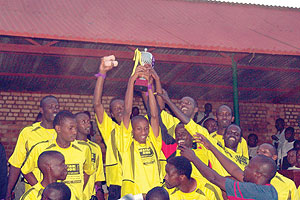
(141, 85)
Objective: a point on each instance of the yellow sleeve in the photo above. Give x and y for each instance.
(295, 192)
(88, 165)
(170, 122)
(31, 159)
(194, 128)
(21, 148)
(157, 141)
(106, 126)
(99, 161)
(242, 148)
(125, 137)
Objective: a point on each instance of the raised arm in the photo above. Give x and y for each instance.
(184, 119)
(208, 173)
(153, 110)
(129, 95)
(107, 63)
(230, 166)
(158, 88)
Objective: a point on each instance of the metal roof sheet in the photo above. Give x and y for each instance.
(159, 23)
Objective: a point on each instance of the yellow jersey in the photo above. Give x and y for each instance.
(140, 162)
(98, 175)
(170, 122)
(77, 158)
(285, 187)
(197, 194)
(35, 192)
(109, 129)
(242, 147)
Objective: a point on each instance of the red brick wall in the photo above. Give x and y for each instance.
(20, 109)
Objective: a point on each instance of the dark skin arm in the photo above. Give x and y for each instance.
(86, 179)
(184, 119)
(208, 173)
(159, 89)
(107, 63)
(99, 192)
(129, 95)
(31, 178)
(230, 166)
(153, 110)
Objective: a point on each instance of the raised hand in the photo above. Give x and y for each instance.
(199, 138)
(107, 63)
(187, 152)
(164, 95)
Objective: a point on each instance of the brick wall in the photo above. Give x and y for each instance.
(20, 109)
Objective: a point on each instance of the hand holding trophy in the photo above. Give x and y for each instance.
(146, 60)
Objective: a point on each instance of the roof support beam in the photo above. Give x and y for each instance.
(81, 52)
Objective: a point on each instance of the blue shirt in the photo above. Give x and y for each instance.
(245, 190)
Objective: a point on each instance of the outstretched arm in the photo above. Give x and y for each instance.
(153, 109)
(230, 166)
(184, 119)
(158, 88)
(107, 63)
(208, 173)
(129, 95)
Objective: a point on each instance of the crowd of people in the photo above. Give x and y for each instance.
(174, 152)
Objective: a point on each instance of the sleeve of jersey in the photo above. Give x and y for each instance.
(168, 119)
(100, 171)
(106, 126)
(19, 154)
(30, 162)
(194, 128)
(88, 165)
(124, 137)
(243, 148)
(157, 141)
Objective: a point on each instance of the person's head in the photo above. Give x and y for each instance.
(261, 170)
(207, 108)
(224, 116)
(49, 108)
(116, 108)
(157, 193)
(140, 128)
(52, 164)
(56, 191)
(188, 106)
(292, 156)
(178, 169)
(279, 124)
(268, 150)
(182, 136)
(83, 123)
(211, 125)
(232, 136)
(297, 144)
(135, 111)
(65, 125)
(289, 134)
(252, 140)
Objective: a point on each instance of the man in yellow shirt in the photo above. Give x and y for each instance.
(94, 185)
(140, 143)
(77, 156)
(30, 136)
(285, 187)
(224, 118)
(180, 184)
(109, 127)
(53, 167)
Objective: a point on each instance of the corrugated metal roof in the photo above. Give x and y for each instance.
(159, 23)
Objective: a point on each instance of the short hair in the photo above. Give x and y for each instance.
(268, 166)
(297, 142)
(137, 118)
(83, 113)
(61, 116)
(293, 149)
(112, 100)
(42, 102)
(182, 164)
(46, 155)
(224, 105)
(158, 193)
(290, 129)
(62, 188)
(234, 125)
(253, 135)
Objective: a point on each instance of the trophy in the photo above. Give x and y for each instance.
(142, 58)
